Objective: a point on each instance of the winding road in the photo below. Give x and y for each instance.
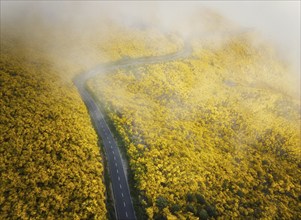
(121, 192)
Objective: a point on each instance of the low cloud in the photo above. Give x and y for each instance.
(276, 21)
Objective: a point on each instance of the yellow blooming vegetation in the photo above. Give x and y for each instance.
(121, 43)
(74, 53)
(50, 163)
(215, 135)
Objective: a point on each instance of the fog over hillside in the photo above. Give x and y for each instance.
(277, 22)
(201, 98)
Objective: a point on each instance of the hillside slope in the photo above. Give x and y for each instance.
(50, 162)
(215, 135)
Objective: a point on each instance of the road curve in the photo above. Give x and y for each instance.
(121, 192)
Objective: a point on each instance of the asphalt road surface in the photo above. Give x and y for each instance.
(121, 192)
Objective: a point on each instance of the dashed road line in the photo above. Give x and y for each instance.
(124, 204)
(118, 178)
(120, 186)
(114, 158)
(95, 111)
(115, 164)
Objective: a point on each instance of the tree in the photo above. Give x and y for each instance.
(161, 202)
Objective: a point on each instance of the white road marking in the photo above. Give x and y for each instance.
(122, 195)
(126, 214)
(118, 178)
(109, 142)
(115, 164)
(120, 186)
(113, 152)
(90, 100)
(117, 170)
(124, 204)
(114, 158)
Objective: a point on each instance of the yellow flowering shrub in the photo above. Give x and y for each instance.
(214, 135)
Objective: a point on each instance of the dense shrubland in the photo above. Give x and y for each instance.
(215, 135)
(50, 163)
(121, 43)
